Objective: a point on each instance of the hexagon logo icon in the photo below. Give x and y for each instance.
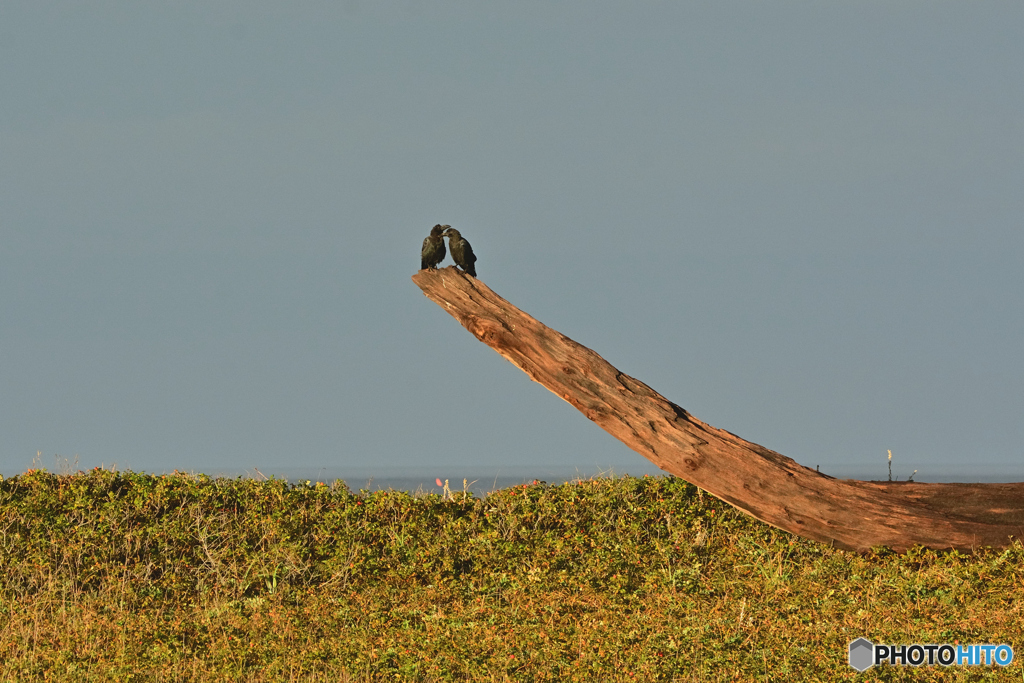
(862, 653)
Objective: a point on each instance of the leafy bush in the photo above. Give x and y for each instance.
(127, 576)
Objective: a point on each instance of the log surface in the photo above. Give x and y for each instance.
(850, 514)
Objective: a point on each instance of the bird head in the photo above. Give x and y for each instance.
(450, 232)
(437, 230)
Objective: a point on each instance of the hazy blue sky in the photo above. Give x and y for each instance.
(801, 221)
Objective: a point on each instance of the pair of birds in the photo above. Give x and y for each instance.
(433, 249)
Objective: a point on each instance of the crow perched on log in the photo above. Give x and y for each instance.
(433, 252)
(462, 253)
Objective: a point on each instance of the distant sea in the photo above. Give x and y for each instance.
(483, 481)
(422, 480)
(480, 483)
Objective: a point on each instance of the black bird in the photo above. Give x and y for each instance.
(433, 252)
(462, 253)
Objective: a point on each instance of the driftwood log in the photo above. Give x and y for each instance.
(850, 514)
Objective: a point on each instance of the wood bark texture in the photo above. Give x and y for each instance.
(850, 514)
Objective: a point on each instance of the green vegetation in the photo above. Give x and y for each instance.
(132, 577)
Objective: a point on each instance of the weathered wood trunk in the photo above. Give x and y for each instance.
(855, 515)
